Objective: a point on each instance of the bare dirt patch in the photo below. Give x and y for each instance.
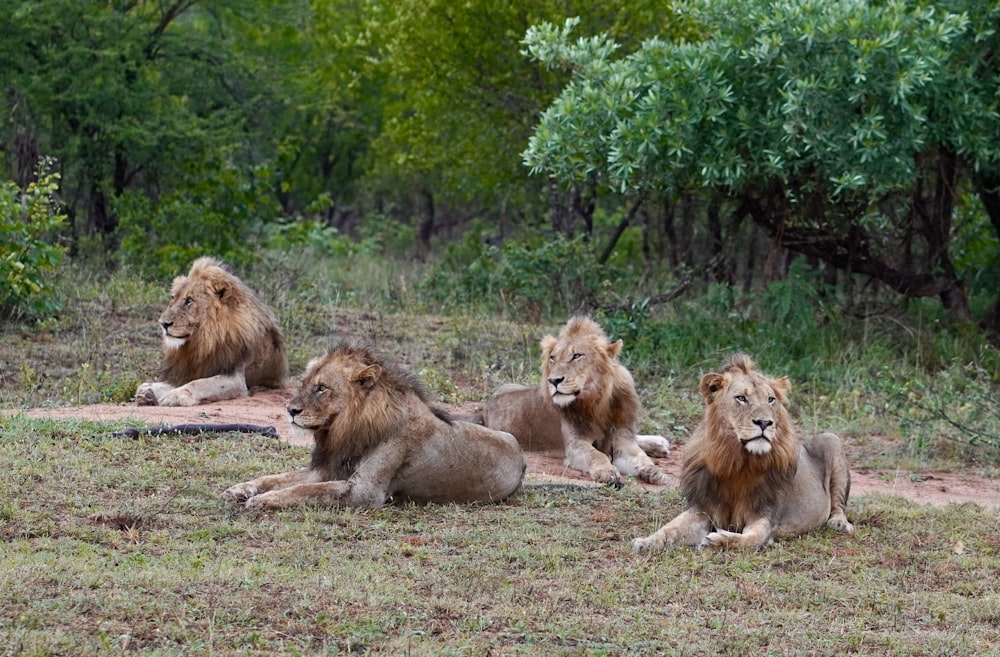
(267, 408)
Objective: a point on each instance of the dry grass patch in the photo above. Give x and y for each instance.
(123, 546)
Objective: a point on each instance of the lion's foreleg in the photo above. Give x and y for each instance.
(202, 391)
(330, 493)
(756, 534)
(242, 492)
(582, 455)
(630, 459)
(689, 528)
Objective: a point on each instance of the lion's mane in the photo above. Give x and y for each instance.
(613, 401)
(235, 330)
(371, 415)
(721, 478)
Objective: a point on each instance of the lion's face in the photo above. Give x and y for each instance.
(333, 387)
(747, 407)
(193, 299)
(578, 364)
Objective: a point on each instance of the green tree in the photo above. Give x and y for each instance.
(843, 129)
(461, 101)
(130, 97)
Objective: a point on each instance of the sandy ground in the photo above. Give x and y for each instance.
(267, 409)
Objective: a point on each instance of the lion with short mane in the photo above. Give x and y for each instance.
(219, 341)
(747, 477)
(587, 406)
(377, 437)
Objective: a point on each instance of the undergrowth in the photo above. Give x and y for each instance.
(467, 324)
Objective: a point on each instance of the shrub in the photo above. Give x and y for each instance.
(29, 222)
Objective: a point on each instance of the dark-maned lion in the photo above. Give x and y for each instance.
(747, 477)
(219, 340)
(377, 437)
(586, 405)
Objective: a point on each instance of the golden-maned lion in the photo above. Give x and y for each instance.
(586, 405)
(747, 477)
(377, 437)
(219, 340)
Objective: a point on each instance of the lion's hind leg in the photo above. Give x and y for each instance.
(838, 471)
(689, 528)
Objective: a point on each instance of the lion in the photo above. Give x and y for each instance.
(587, 406)
(747, 477)
(377, 437)
(219, 341)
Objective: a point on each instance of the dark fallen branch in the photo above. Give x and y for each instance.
(196, 429)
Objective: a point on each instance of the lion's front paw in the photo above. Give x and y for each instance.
(240, 493)
(608, 476)
(719, 539)
(145, 396)
(269, 500)
(653, 475)
(646, 544)
(841, 524)
(656, 447)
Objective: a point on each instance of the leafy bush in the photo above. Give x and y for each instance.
(29, 221)
(533, 278)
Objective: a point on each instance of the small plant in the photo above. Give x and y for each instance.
(29, 221)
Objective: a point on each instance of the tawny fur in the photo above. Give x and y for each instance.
(586, 404)
(747, 477)
(378, 437)
(219, 340)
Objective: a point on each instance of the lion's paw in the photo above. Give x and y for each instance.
(656, 447)
(653, 475)
(145, 396)
(240, 493)
(645, 544)
(718, 539)
(263, 501)
(608, 476)
(841, 524)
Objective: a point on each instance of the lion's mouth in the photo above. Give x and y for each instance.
(760, 445)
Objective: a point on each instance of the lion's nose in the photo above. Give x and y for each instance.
(763, 424)
(293, 411)
(166, 325)
(557, 380)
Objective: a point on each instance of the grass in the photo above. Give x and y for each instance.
(119, 546)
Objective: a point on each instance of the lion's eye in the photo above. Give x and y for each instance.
(741, 399)
(188, 301)
(576, 357)
(770, 400)
(319, 388)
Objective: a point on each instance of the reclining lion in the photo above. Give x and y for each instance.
(587, 406)
(376, 437)
(219, 340)
(747, 477)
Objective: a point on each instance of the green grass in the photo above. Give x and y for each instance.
(116, 546)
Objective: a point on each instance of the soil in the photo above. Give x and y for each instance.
(267, 408)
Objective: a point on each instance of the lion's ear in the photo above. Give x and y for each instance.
(368, 376)
(781, 388)
(615, 348)
(712, 383)
(547, 343)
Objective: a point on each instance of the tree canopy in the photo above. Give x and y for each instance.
(845, 129)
